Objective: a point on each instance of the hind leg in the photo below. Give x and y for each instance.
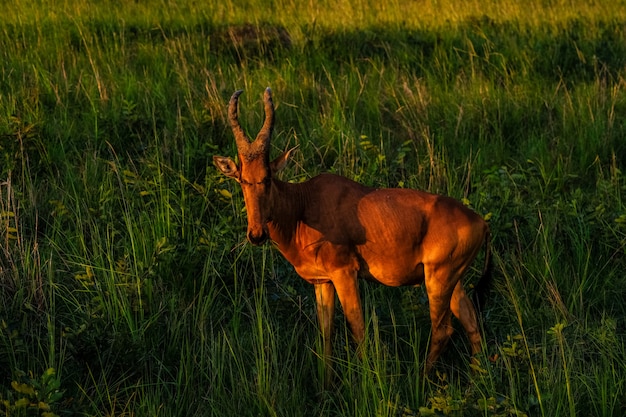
(439, 287)
(440, 318)
(463, 309)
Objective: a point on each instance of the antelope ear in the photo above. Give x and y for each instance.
(281, 162)
(227, 166)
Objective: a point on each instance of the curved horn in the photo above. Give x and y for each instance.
(263, 138)
(241, 139)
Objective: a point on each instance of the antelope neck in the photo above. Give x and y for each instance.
(287, 203)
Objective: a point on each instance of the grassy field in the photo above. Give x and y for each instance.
(126, 287)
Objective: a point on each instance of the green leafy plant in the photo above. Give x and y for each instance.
(33, 396)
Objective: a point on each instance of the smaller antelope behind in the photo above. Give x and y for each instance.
(334, 231)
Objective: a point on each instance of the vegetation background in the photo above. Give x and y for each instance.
(126, 288)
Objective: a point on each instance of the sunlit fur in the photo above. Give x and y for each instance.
(334, 231)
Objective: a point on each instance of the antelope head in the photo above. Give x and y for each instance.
(254, 172)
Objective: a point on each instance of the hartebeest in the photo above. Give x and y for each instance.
(334, 230)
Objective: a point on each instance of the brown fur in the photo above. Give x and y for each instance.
(334, 231)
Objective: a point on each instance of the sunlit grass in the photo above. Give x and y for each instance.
(348, 14)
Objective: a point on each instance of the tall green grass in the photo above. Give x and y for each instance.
(126, 286)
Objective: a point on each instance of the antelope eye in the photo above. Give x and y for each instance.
(264, 181)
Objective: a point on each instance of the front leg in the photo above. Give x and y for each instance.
(325, 298)
(348, 292)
